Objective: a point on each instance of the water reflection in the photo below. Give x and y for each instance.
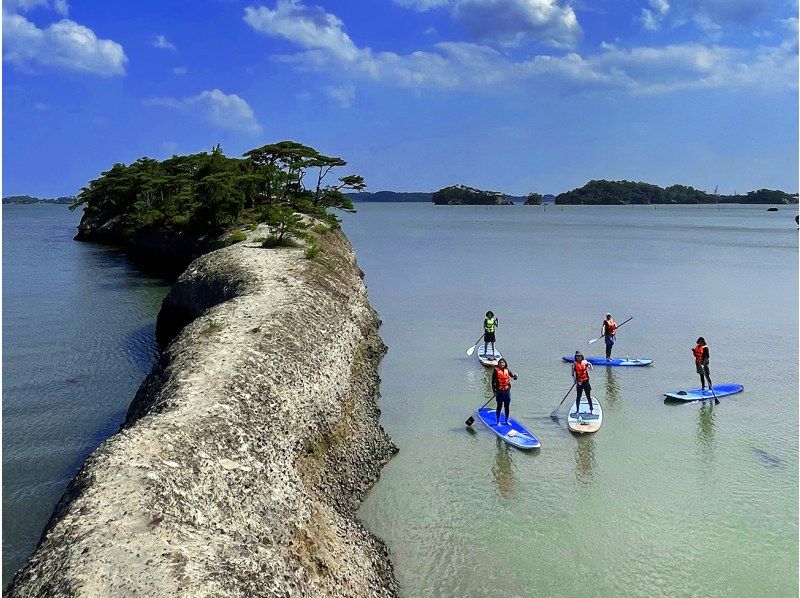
(585, 463)
(612, 388)
(503, 470)
(706, 436)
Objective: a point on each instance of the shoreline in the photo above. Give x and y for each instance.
(246, 451)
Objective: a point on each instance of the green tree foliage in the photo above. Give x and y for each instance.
(628, 192)
(208, 192)
(462, 195)
(285, 223)
(533, 199)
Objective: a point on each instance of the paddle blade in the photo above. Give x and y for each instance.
(554, 414)
(471, 350)
(594, 340)
(470, 421)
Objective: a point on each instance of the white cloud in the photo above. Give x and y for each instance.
(42, 107)
(342, 95)
(460, 65)
(224, 111)
(59, 6)
(179, 70)
(511, 22)
(652, 17)
(62, 45)
(308, 26)
(162, 43)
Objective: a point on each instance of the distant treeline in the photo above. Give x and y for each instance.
(26, 199)
(629, 192)
(390, 196)
(208, 193)
(598, 192)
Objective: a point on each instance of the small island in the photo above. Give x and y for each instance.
(617, 193)
(461, 195)
(29, 199)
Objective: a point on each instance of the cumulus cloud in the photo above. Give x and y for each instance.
(224, 111)
(307, 26)
(511, 22)
(341, 95)
(162, 43)
(62, 45)
(461, 65)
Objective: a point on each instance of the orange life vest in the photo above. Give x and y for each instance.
(503, 379)
(611, 327)
(698, 353)
(581, 371)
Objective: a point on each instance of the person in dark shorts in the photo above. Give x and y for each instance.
(501, 386)
(490, 324)
(609, 332)
(580, 372)
(701, 357)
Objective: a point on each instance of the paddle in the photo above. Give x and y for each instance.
(554, 414)
(594, 340)
(470, 419)
(711, 388)
(471, 350)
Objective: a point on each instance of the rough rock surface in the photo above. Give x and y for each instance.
(246, 451)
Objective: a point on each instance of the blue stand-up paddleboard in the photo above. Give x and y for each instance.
(514, 434)
(619, 361)
(698, 394)
(584, 422)
(488, 359)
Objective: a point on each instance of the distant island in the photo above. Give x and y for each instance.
(28, 199)
(390, 196)
(595, 192)
(461, 195)
(601, 192)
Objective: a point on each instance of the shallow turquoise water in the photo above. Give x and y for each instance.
(664, 499)
(78, 338)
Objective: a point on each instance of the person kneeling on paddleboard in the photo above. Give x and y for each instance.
(580, 372)
(609, 331)
(701, 357)
(501, 386)
(489, 325)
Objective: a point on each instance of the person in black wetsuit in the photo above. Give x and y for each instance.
(501, 386)
(580, 373)
(701, 358)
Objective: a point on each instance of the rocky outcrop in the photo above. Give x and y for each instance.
(246, 451)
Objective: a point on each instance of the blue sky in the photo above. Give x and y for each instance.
(512, 95)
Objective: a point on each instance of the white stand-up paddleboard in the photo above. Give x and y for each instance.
(488, 359)
(583, 422)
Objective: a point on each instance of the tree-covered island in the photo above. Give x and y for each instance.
(602, 192)
(461, 195)
(185, 205)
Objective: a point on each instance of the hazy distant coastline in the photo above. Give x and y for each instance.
(596, 192)
(29, 199)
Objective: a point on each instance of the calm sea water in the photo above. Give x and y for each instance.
(665, 499)
(78, 338)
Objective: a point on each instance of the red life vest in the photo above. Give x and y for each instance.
(503, 379)
(611, 327)
(581, 371)
(698, 353)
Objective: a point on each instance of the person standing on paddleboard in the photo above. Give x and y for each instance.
(609, 332)
(490, 323)
(501, 386)
(580, 372)
(701, 357)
